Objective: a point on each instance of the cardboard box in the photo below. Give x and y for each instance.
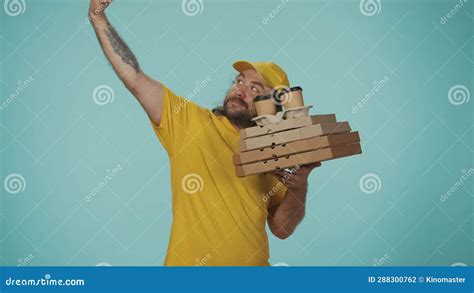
(294, 147)
(293, 135)
(298, 159)
(286, 124)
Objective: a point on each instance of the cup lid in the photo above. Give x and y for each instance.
(261, 98)
(287, 90)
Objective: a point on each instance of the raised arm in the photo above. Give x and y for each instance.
(148, 92)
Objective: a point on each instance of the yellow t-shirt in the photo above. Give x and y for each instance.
(218, 218)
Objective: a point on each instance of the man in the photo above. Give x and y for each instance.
(218, 218)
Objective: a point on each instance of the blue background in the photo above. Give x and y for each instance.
(416, 143)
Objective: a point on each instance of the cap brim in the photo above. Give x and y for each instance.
(243, 65)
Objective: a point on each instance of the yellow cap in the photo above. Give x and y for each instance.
(273, 75)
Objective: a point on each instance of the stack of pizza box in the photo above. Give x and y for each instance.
(294, 141)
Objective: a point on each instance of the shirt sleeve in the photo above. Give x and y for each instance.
(280, 191)
(176, 120)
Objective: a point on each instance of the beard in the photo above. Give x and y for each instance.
(242, 116)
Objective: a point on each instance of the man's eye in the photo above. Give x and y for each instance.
(255, 89)
(239, 81)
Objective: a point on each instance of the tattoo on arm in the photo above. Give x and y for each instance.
(121, 48)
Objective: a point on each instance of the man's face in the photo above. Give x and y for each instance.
(238, 104)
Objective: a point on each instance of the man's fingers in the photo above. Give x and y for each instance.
(315, 165)
(280, 175)
(97, 7)
(311, 166)
(279, 172)
(106, 3)
(283, 175)
(103, 3)
(277, 176)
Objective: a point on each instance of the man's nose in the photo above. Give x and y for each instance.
(240, 94)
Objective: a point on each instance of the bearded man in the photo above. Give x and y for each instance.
(217, 216)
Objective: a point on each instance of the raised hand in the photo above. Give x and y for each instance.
(97, 7)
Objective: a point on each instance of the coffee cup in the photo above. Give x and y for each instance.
(264, 105)
(292, 98)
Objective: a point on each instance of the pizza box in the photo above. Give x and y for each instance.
(293, 147)
(293, 135)
(286, 124)
(305, 158)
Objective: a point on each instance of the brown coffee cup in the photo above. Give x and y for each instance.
(264, 105)
(293, 98)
